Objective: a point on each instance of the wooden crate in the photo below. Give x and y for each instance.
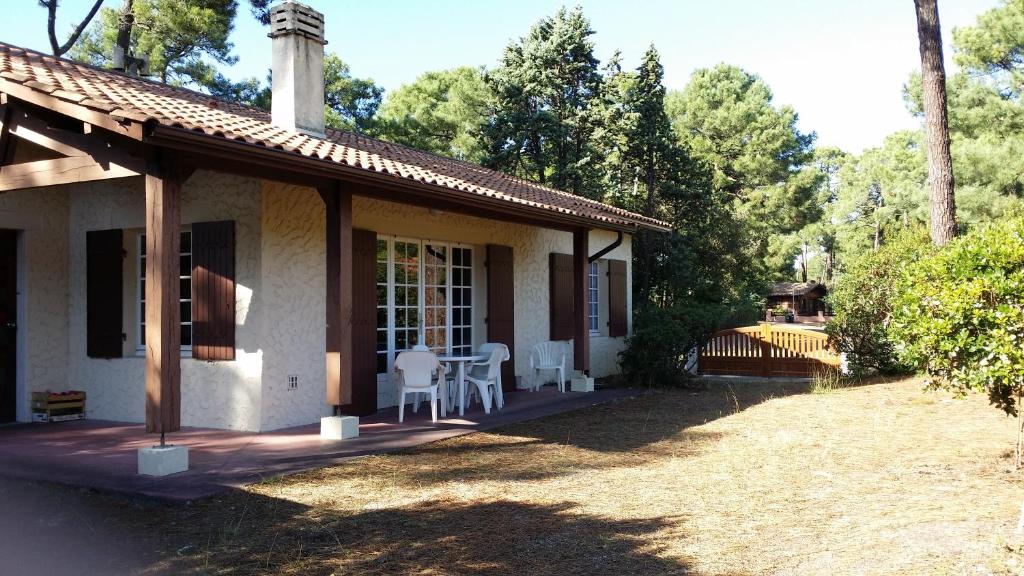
(58, 406)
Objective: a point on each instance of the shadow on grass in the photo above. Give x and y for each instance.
(250, 534)
(661, 414)
(623, 434)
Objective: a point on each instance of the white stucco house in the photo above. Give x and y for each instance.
(190, 261)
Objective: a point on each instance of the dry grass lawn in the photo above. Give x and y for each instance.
(737, 479)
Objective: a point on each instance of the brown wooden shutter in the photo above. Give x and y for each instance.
(104, 279)
(501, 309)
(618, 324)
(213, 290)
(364, 324)
(561, 283)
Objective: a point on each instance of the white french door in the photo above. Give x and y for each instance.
(424, 296)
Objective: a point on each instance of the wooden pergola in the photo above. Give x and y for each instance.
(47, 141)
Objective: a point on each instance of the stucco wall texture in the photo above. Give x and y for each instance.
(279, 304)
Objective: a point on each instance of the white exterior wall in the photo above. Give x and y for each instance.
(42, 218)
(280, 279)
(294, 288)
(213, 394)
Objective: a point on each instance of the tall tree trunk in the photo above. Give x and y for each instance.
(936, 122)
(803, 264)
(125, 23)
(651, 183)
(829, 262)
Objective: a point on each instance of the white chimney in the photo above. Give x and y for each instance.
(297, 75)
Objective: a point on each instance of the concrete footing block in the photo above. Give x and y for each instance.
(163, 460)
(581, 383)
(339, 427)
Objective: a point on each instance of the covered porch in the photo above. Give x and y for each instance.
(102, 455)
(210, 275)
(190, 263)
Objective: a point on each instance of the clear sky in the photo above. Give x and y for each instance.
(840, 63)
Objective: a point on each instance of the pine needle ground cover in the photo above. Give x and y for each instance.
(740, 478)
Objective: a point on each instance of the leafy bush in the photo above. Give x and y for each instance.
(862, 303)
(662, 340)
(960, 315)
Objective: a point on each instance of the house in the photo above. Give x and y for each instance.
(188, 261)
(803, 298)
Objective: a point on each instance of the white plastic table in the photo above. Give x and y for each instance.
(460, 360)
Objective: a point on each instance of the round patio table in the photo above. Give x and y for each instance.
(460, 360)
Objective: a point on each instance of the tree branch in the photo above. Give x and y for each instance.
(51, 26)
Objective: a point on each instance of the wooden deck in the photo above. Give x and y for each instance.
(103, 455)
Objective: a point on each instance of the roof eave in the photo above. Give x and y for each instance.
(189, 140)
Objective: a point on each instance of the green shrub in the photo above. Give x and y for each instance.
(662, 340)
(960, 315)
(862, 303)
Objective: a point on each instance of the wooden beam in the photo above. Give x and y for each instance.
(105, 120)
(338, 202)
(5, 134)
(163, 313)
(580, 294)
(63, 171)
(60, 141)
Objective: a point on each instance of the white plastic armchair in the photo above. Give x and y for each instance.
(487, 348)
(547, 356)
(487, 375)
(418, 369)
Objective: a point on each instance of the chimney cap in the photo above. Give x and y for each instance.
(295, 18)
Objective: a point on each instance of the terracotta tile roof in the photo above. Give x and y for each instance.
(795, 288)
(128, 98)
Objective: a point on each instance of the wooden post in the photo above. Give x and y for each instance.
(580, 292)
(766, 350)
(163, 312)
(338, 203)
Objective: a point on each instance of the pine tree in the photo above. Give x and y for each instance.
(544, 91)
(936, 121)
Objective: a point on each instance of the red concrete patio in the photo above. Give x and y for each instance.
(102, 455)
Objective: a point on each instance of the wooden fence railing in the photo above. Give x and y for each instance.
(767, 350)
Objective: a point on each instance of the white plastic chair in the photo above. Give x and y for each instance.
(547, 356)
(418, 369)
(487, 348)
(486, 375)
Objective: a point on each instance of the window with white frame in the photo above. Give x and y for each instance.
(462, 301)
(185, 295)
(424, 295)
(593, 303)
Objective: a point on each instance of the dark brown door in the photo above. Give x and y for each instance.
(501, 308)
(364, 324)
(8, 324)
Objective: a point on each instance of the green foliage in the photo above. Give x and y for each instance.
(184, 39)
(760, 161)
(440, 112)
(663, 338)
(960, 314)
(881, 192)
(995, 45)
(541, 120)
(349, 103)
(863, 301)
